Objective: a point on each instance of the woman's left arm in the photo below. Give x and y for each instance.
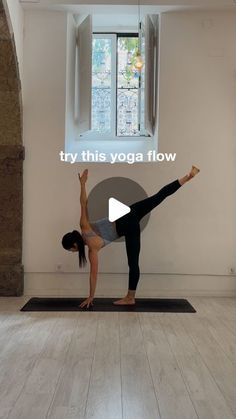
(84, 219)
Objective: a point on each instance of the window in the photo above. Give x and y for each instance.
(116, 86)
(128, 87)
(112, 100)
(103, 89)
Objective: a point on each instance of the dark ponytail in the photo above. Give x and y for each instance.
(68, 241)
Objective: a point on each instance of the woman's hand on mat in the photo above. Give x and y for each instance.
(87, 302)
(83, 178)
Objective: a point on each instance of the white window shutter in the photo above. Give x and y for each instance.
(84, 72)
(142, 82)
(156, 69)
(150, 75)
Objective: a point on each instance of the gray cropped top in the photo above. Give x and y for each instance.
(103, 228)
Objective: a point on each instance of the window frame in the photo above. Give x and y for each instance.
(95, 136)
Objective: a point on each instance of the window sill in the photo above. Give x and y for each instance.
(114, 139)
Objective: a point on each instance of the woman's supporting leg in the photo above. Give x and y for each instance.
(132, 242)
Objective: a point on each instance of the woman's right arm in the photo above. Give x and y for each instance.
(93, 259)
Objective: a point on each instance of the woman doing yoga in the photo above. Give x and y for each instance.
(98, 234)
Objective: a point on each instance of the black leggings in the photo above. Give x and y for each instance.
(129, 227)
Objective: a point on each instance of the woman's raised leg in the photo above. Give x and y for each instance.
(143, 207)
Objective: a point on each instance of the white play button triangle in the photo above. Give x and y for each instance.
(116, 209)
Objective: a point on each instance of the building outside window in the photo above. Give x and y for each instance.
(116, 86)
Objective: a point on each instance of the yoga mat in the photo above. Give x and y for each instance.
(146, 305)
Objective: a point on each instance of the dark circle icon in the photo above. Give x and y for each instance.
(123, 190)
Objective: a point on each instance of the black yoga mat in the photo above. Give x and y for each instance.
(165, 305)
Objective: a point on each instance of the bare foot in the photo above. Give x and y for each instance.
(194, 172)
(125, 301)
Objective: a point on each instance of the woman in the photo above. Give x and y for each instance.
(102, 232)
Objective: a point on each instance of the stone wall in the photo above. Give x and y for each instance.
(11, 163)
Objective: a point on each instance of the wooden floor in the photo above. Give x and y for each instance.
(118, 365)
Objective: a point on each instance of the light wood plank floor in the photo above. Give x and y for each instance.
(118, 365)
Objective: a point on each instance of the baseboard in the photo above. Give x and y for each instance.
(115, 285)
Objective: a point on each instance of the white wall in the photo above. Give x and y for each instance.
(17, 20)
(190, 238)
(197, 119)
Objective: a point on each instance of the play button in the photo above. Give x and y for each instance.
(123, 192)
(116, 209)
